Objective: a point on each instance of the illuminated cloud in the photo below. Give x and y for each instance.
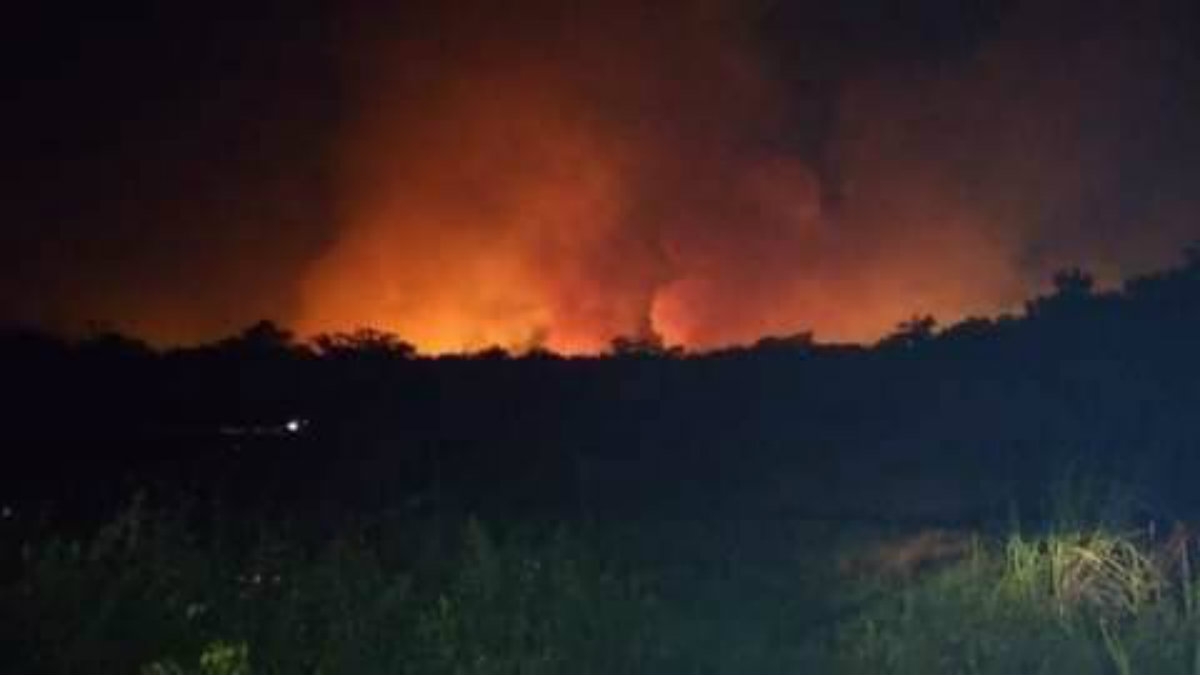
(562, 173)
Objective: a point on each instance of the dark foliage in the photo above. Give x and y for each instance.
(963, 421)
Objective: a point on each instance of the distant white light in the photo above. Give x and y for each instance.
(294, 426)
(6, 512)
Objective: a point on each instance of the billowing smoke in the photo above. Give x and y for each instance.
(573, 172)
(557, 176)
(560, 173)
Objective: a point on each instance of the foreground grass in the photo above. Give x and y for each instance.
(143, 595)
(1066, 602)
(164, 592)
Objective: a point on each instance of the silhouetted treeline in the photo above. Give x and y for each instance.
(962, 421)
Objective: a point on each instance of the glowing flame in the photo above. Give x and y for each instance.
(601, 174)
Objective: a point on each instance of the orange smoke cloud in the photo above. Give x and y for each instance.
(475, 223)
(508, 193)
(574, 174)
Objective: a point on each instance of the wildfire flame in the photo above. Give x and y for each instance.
(610, 169)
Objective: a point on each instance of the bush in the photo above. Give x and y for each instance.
(142, 595)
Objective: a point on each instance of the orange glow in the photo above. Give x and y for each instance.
(566, 182)
(559, 174)
(509, 200)
(474, 243)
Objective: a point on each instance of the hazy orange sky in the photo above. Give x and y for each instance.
(475, 173)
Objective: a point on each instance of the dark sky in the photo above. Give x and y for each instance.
(561, 172)
(170, 171)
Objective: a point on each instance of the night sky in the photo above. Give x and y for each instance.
(561, 173)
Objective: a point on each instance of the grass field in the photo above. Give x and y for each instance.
(197, 590)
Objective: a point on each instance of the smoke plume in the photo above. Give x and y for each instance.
(574, 172)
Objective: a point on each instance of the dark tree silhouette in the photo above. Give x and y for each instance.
(648, 344)
(1107, 375)
(364, 342)
(795, 343)
(1073, 291)
(915, 331)
(264, 337)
